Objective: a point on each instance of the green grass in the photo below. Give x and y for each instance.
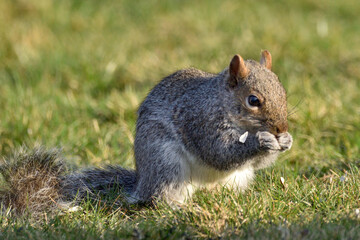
(73, 73)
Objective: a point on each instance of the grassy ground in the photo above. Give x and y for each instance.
(73, 73)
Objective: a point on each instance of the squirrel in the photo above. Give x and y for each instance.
(194, 130)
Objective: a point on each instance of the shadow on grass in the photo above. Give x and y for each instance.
(64, 227)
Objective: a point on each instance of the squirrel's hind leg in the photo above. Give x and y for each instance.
(162, 175)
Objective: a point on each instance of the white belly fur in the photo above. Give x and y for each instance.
(197, 175)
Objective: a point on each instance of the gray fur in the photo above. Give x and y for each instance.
(92, 181)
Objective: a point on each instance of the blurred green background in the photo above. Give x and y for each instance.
(73, 73)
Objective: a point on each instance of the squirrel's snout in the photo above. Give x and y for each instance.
(279, 128)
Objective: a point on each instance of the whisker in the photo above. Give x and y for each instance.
(294, 109)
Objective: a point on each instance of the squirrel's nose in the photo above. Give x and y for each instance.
(278, 128)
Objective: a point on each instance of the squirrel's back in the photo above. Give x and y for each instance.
(173, 87)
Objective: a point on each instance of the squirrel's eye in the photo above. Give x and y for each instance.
(252, 101)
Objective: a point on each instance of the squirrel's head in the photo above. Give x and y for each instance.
(259, 94)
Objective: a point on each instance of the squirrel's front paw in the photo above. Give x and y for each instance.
(285, 141)
(268, 141)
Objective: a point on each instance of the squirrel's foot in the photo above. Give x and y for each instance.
(285, 141)
(268, 142)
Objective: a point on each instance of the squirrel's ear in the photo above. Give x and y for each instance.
(266, 59)
(237, 69)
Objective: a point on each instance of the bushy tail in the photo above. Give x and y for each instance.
(94, 181)
(37, 181)
(31, 180)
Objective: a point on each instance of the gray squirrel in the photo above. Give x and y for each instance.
(194, 129)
